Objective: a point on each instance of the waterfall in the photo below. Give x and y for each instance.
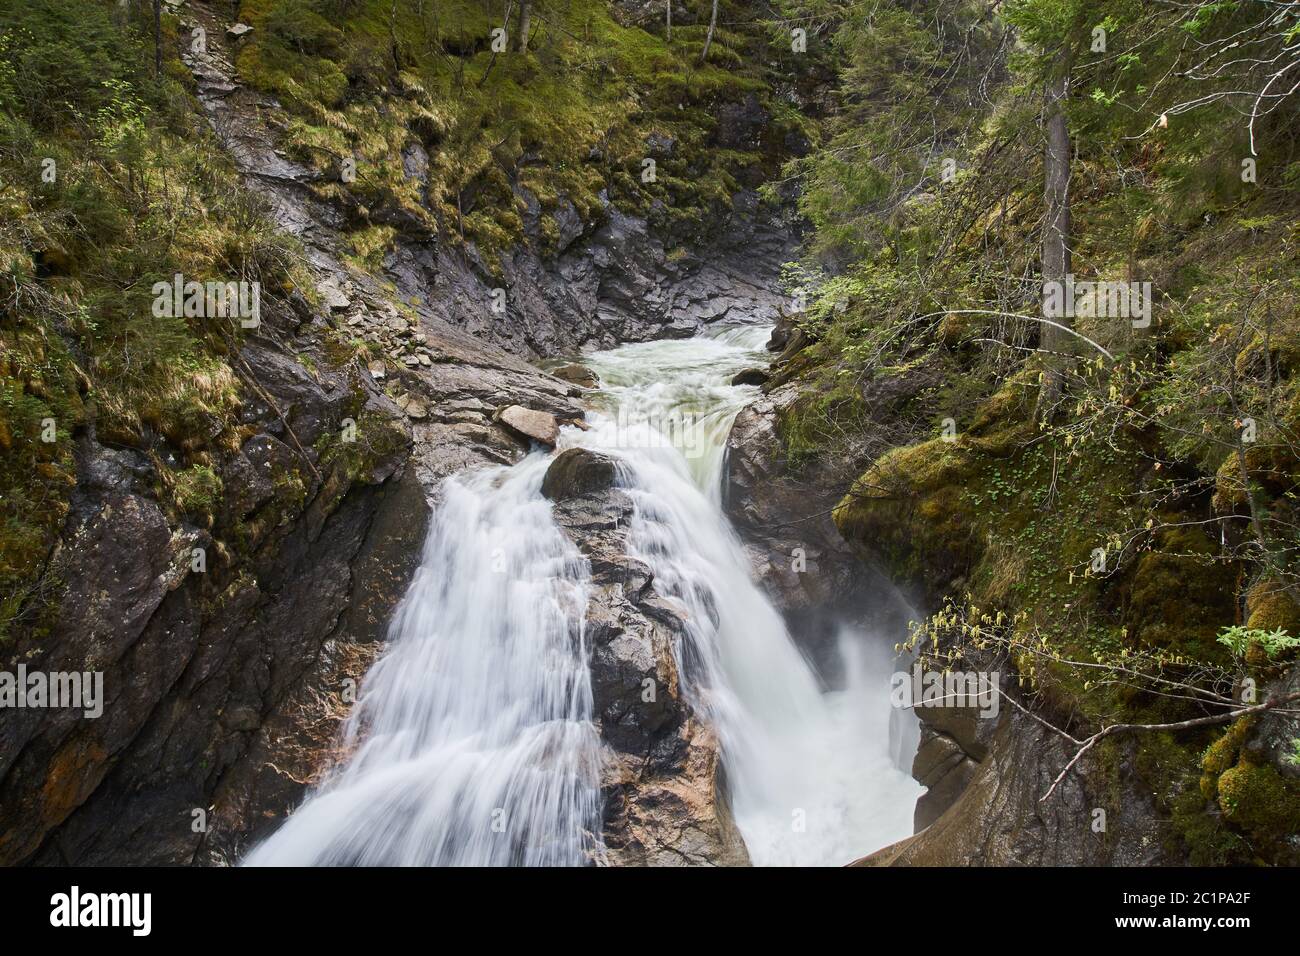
(472, 740)
(811, 775)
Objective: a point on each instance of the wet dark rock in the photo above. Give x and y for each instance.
(249, 478)
(781, 333)
(107, 470)
(999, 819)
(750, 376)
(946, 770)
(578, 471)
(617, 282)
(662, 791)
(660, 144)
(569, 226)
(783, 517)
(200, 657)
(741, 125)
(415, 162)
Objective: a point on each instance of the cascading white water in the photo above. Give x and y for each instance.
(810, 773)
(472, 741)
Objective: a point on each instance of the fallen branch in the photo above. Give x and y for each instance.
(1113, 729)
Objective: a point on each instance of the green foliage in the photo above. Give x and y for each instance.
(197, 491)
(106, 187)
(1178, 458)
(569, 121)
(1274, 643)
(64, 59)
(902, 109)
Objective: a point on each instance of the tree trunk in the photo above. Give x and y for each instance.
(1056, 238)
(1056, 217)
(157, 37)
(708, 39)
(670, 20)
(525, 14)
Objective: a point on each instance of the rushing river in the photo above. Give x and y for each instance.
(482, 700)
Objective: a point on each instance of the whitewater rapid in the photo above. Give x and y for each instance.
(472, 740)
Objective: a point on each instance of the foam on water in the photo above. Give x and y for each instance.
(472, 740)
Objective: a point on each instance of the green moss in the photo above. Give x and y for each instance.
(1180, 597)
(369, 246)
(1166, 764)
(809, 424)
(1204, 838)
(909, 507)
(1271, 607)
(567, 121)
(196, 492)
(375, 439)
(1222, 754)
(1255, 798)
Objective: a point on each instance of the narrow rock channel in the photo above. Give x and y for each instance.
(598, 678)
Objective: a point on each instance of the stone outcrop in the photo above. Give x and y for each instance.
(531, 424)
(1000, 819)
(226, 676)
(750, 376)
(577, 374)
(203, 634)
(661, 785)
(954, 742)
(783, 516)
(578, 471)
(225, 686)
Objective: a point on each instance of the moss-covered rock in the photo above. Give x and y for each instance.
(909, 508)
(1180, 596)
(1270, 606)
(1255, 798)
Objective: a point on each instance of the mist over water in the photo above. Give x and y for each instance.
(472, 741)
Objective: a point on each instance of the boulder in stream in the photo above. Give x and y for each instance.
(579, 471)
(750, 376)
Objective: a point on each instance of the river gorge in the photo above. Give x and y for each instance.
(603, 433)
(473, 740)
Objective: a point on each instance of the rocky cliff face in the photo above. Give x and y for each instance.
(985, 777)
(783, 515)
(995, 814)
(604, 281)
(204, 634)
